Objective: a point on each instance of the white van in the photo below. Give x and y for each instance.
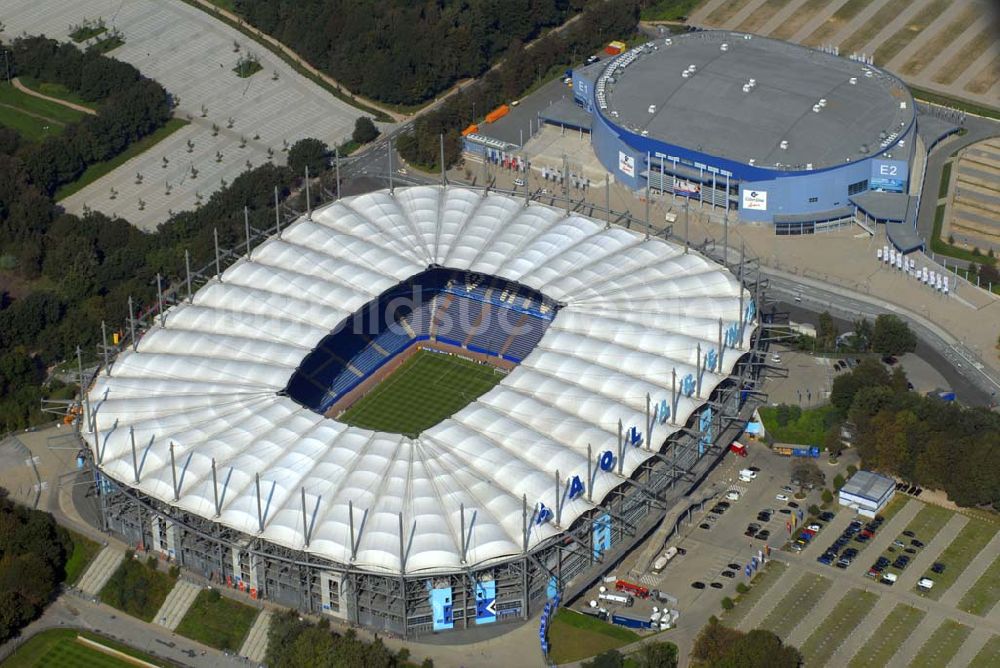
(732, 495)
(925, 584)
(747, 473)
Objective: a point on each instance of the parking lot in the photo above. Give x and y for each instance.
(235, 123)
(938, 608)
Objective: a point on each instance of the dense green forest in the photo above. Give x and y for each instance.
(33, 553)
(599, 22)
(71, 272)
(404, 52)
(933, 443)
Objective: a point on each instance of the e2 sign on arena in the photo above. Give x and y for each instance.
(888, 176)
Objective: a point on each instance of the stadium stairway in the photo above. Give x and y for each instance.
(176, 605)
(439, 312)
(409, 330)
(255, 646)
(511, 336)
(100, 570)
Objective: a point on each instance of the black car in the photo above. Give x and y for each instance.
(911, 489)
(918, 492)
(909, 534)
(698, 585)
(916, 543)
(827, 516)
(938, 567)
(881, 561)
(889, 359)
(763, 517)
(764, 535)
(705, 525)
(754, 469)
(716, 585)
(728, 574)
(792, 504)
(735, 567)
(910, 550)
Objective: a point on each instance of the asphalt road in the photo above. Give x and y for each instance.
(978, 130)
(972, 386)
(967, 392)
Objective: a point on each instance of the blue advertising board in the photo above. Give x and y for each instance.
(486, 602)
(888, 176)
(441, 609)
(602, 534)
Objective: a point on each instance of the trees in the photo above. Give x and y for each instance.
(826, 332)
(727, 603)
(311, 153)
(656, 655)
(892, 336)
(611, 658)
(759, 649)
(33, 551)
(827, 496)
(364, 130)
(298, 644)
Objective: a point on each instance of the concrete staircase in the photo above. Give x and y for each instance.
(100, 570)
(255, 645)
(176, 605)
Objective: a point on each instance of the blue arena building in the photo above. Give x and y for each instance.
(781, 133)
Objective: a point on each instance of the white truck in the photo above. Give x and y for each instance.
(620, 599)
(664, 559)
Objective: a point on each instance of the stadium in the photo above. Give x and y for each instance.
(424, 409)
(781, 133)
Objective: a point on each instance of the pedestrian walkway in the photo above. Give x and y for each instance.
(255, 645)
(176, 605)
(100, 571)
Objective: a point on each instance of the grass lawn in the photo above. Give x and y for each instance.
(796, 604)
(989, 655)
(137, 590)
(808, 429)
(99, 169)
(217, 621)
(945, 180)
(759, 586)
(942, 645)
(426, 389)
(84, 551)
(984, 594)
(59, 648)
(839, 624)
(54, 90)
(969, 542)
(31, 117)
(888, 637)
(573, 636)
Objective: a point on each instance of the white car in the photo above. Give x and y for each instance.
(814, 527)
(782, 497)
(519, 183)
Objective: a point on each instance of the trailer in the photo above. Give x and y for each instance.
(620, 599)
(630, 622)
(793, 451)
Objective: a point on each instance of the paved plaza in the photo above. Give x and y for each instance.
(192, 55)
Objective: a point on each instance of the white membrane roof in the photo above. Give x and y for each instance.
(209, 381)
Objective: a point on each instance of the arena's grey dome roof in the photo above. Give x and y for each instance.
(209, 379)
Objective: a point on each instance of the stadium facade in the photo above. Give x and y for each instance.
(212, 443)
(779, 132)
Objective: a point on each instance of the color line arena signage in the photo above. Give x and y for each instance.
(626, 164)
(755, 200)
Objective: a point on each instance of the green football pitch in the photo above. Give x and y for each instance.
(426, 389)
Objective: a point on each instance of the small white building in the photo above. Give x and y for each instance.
(867, 492)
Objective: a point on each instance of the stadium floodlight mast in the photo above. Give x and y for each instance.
(336, 160)
(159, 298)
(104, 348)
(131, 327)
(444, 175)
(277, 213)
(218, 264)
(246, 226)
(309, 204)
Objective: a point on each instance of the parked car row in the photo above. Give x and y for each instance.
(838, 553)
(906, 488)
